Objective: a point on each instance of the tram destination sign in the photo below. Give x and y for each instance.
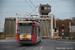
(25, 24)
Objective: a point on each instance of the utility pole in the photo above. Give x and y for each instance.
(55, 35)
(69, 30)
(51, 26)
(16, 24)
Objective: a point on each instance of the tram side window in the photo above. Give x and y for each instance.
(32, 29)
(38, 31)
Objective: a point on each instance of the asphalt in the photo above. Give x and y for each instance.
(46, 44)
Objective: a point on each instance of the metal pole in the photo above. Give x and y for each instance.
(70, 26)
(55, 21)
(52, 26)
(70, 30)
(55, 35)
(16, 21)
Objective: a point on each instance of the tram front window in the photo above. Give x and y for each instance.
(25, 30)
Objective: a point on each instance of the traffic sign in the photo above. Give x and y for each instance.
(62, 33)
(62, 30)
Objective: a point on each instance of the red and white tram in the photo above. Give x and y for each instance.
(28, 32)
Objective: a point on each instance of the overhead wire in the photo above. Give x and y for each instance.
(29, 5)
(32, 3)
(33, 10)
(37, 1)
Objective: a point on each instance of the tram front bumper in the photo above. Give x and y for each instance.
(25, 41)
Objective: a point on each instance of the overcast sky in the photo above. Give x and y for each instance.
(62, 9)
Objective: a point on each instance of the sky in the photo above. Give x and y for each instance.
(62, 9)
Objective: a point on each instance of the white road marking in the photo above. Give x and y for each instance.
(42, 46)
(8, 40)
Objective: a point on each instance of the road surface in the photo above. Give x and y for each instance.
(46, 44)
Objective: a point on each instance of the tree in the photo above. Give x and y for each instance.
(73, 20)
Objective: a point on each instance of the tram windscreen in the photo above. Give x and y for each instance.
(25, 29)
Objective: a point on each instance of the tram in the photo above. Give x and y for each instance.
(28, 32)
